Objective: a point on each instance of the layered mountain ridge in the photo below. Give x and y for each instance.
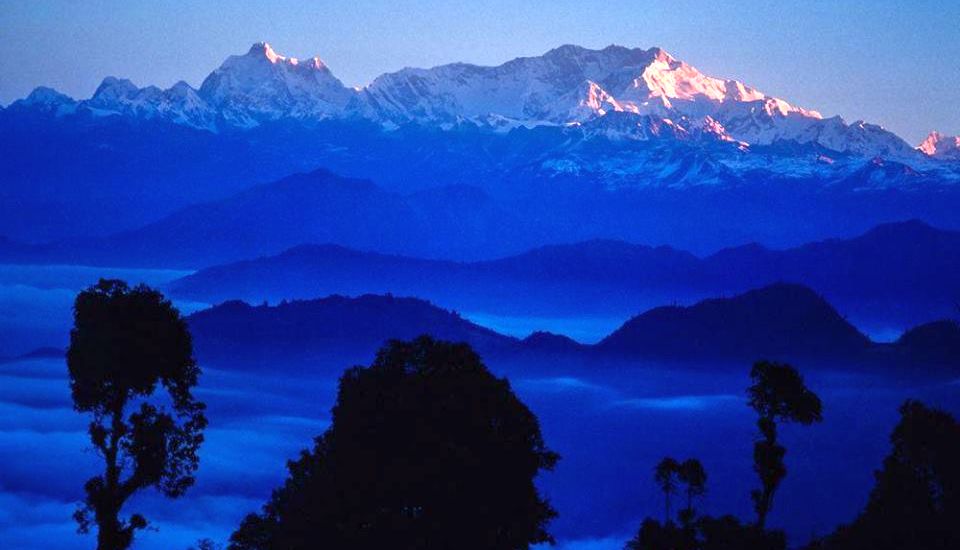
(894, 275)
(779, 322)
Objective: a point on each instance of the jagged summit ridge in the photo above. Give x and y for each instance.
(655, 94)
(264, 49)
(567, 84)
(179, 104)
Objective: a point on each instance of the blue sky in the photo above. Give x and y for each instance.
(892, 63)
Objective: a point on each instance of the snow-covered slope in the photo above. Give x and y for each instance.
(939, 146)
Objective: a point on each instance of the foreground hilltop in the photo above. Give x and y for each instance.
(777, 321)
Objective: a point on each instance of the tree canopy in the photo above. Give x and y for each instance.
(778, 394)
(427, 449)
(916, 500)
(125, 341)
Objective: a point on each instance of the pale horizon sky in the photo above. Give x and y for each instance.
(896, 64)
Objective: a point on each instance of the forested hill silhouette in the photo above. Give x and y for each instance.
(305, 329)
(896, 275)
(781, 321)
(934, 344)
(294, 271)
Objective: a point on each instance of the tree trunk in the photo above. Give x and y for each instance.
(762, 511)
(110, 533)
(764, 467)
(666, 520)
(765, 505)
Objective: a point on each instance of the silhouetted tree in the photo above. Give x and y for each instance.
(654, 535)
(706, 533)
(666, 474)
(778, 394)
(916, 500)
(125, 341)
(729, 533)
(669, 474)
(694, 479)
(427, 449)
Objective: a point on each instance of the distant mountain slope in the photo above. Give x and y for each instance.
(556, 277)
(597, 261)
(782, 320)
(895, 275)
(893, 271)
(309, 271)
(327, 326)
(779, 322)
(315, 207)
(306, 207)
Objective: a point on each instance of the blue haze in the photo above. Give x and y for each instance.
(610, 423)
(610, 430)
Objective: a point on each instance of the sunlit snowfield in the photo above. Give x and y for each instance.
(610, 423)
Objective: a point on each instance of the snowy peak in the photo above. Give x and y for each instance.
(47, 100)
(113, 91)
(263, 85)
(263, 49)
(939, 146)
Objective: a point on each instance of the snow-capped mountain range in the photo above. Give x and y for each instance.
(617, 93)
